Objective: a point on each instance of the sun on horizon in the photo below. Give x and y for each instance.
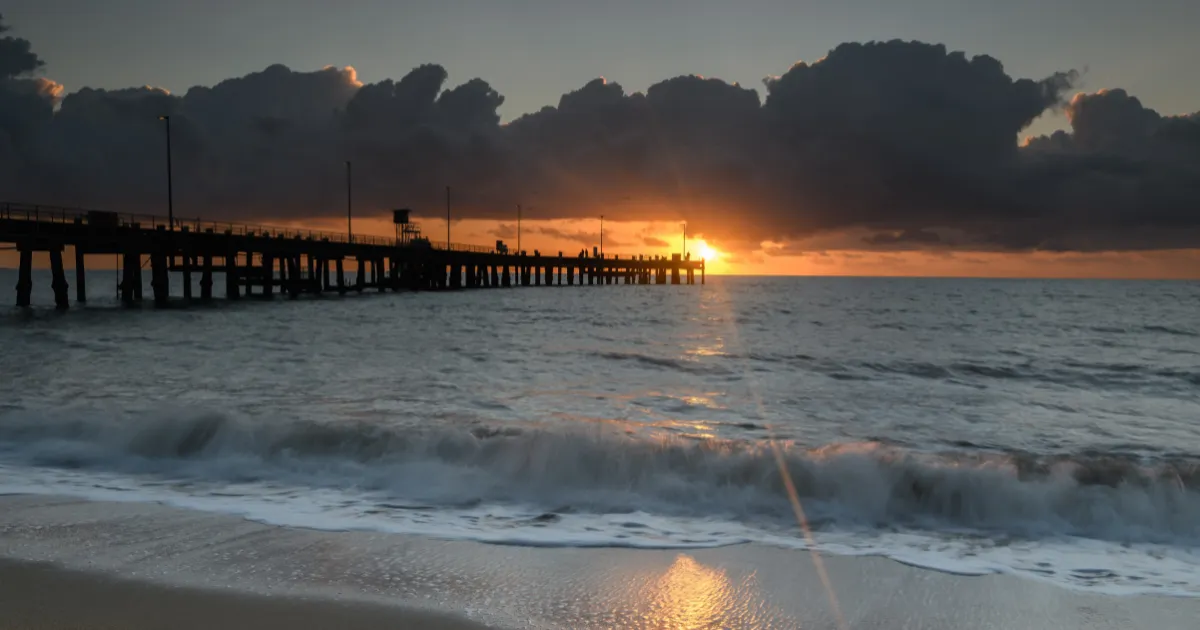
(703, 250)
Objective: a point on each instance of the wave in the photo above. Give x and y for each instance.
(599, 470)
(646, 360)
(1168, 330)
(1149, 328)
(1068, 373)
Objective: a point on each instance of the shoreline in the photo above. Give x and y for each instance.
(72, 563)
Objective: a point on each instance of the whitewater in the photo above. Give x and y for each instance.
(1047, 429)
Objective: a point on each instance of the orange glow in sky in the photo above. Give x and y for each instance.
(662, 238)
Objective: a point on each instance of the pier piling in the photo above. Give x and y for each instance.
(159, 280)
(59, 281)
(25, 278)
(206, 279)
(187, 277)
(232, 291)
(80, 277)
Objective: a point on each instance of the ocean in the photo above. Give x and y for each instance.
(1047, 429)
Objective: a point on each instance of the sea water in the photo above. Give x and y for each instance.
(1049, 429)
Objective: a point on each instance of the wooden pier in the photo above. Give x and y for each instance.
(257, 261)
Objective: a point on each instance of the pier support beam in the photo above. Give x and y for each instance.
(25, 279)
(293, 275)
(80, 277)
(361, 278)
(232, 290)
(325, 285)
(159, 280)
(283, 275)
(187, 277)
(59, 283)
(341, 276)
(129, 263)
(206, 281)
(268, 275)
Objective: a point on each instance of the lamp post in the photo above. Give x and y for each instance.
(447, 218)
(349, 206)
(602, 236)
(518, 229)
(170, 188)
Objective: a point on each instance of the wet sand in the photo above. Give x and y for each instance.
(43, 597)
(143, 566)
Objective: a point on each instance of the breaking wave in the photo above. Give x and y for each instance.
(600, 470)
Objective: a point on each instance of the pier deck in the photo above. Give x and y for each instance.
(258, 260)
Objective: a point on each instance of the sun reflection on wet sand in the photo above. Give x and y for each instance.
(692, 595)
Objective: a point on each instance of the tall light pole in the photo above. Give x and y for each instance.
(602, 236)
(170, 188)
(447, 218)
(349, 205)
(685, 239)
(518, 229)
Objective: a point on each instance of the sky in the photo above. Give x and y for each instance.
(534, 52)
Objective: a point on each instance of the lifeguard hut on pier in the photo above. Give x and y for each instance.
(407, 232)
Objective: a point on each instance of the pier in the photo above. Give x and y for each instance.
(258, 261)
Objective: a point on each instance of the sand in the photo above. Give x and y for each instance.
(141, 566)
(43, 597)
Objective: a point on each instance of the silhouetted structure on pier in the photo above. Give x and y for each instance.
(257, 260)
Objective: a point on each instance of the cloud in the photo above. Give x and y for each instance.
(651, 241)
(905, 237)
(504, 230)
(904, 145)
(16, 55)
(582, 237)
(1128, 176)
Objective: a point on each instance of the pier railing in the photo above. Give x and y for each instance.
(60, 214)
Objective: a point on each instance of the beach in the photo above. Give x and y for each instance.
(92, 565)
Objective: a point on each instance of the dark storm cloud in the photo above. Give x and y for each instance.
(904, 142)
(1127, 175)
(16, 55)
(26, 107)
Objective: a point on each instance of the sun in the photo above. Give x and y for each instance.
(706, 252)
